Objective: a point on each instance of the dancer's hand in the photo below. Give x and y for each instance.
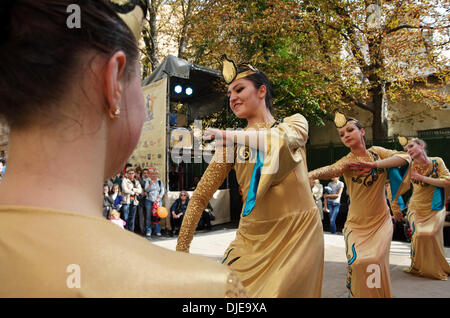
(362, 166)
(416, 176)
(311, 182)
(398, 217)
(218, 135)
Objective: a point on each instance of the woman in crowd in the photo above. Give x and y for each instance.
(368, 229)
(278, 250)
(426, 212)
(72, 97)
(333, 201)
(107, 201)
(116, 197)
(154, 188)
(178, 210)
(131, 188)
(317, 191)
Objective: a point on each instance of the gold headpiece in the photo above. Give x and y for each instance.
(340, 120)
(403, 140)
(230, 71)
(132, 13)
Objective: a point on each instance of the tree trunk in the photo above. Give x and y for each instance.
(150, 38)
(379, 123)
(183, 38)
(153, 10)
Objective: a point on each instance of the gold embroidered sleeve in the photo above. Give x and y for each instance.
(284, 150)
(394, 203)
(234, 288)
(211, 180)
(326, 173)
(396, 209)
(388, 153)
(442, 170)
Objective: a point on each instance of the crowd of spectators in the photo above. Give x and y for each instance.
(131, 200)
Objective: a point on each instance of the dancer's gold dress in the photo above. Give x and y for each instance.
(427, 244)
(52, 253)
(368, 229)
(278, 249)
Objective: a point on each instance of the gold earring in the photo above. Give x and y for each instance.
(116, 113)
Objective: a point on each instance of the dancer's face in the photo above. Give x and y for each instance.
(245, 99)
(414, 149)
(351, 135)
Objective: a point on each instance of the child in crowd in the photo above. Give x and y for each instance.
(114, 217)
(155, 217)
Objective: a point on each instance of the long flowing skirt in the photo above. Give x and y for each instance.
(427, 245)
(368, 241)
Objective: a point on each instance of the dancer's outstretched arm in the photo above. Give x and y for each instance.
(211, 180)
(328, 172)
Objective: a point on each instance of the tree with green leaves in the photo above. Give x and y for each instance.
(321, 55)
(325, 55)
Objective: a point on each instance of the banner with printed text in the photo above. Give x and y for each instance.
(150, 151)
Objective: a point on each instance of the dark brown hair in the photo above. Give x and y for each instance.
(40, 54)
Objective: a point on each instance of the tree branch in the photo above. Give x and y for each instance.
(364, 106)
(407, 26)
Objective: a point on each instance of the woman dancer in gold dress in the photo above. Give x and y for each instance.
(73, 100)
(278, 249)
(426, 212)
(368, 229)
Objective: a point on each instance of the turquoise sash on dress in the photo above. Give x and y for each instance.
(396, 177)
(253, 189)
(438, 199)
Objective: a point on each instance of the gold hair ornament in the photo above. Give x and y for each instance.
(340, 120)
(132, 13)
(230, 71)
(403, 141)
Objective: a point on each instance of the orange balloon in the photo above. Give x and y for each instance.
(162, 212)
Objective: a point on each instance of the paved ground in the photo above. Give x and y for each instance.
(213, 244)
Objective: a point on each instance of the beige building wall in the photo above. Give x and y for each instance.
(406, 119)
(329, 134)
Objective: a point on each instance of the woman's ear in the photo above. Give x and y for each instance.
(363, 132)
(262, 90)
(113, 81)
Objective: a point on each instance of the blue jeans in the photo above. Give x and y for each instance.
(148, 218)
(334, 211)
(129, 214)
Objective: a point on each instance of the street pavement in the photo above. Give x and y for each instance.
(212, 244)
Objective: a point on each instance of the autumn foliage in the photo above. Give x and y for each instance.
(327, 55)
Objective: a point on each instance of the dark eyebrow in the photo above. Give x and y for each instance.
(233, 88)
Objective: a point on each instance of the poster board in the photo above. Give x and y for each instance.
(150, 151)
